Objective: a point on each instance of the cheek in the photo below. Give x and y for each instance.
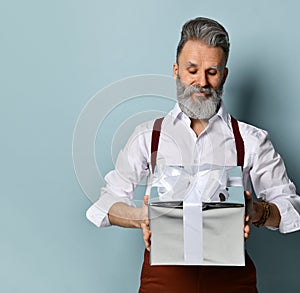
(214, 81)
(186, 78)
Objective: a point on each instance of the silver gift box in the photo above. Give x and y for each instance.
(221, 222)
(223, 235)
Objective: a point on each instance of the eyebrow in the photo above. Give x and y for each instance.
(217, 67)
(191, 64)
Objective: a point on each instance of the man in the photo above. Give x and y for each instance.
(198, 131)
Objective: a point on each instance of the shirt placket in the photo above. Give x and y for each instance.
(198, 149)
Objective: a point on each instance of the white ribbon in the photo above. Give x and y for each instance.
(205, 186)
(192, 232)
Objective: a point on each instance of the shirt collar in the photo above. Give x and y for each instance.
(177, 114)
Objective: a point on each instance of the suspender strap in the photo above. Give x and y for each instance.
(239, 142)
(155, 141)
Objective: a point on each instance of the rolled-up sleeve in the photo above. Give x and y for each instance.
(131, 167)
(270, 181)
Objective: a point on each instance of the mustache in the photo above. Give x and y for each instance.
(192, 89)
(186, 91)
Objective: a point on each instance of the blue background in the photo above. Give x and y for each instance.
(55, 55)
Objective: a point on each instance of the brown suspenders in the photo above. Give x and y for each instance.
(155, 141)
(239, 143)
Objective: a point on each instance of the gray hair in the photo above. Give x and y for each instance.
(206, 30)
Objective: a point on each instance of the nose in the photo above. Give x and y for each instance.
(201, 79)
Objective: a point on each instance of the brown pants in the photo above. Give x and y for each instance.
(198, 279)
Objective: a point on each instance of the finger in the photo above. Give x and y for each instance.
(145, 209)
(145, 228)
(247, 195)
(146, 200)
(147, 222)
(146, 236)
(147, 243)
(147, 239)
(247, 230)
(145, 225)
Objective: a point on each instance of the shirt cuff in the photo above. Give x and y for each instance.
(97, 216)
(290, 218)
(98, 212)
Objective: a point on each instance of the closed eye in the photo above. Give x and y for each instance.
(212, 72)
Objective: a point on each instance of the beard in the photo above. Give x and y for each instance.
(196, 106)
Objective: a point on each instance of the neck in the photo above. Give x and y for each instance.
(198, 125)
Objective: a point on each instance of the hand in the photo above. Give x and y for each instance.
(250, 211)
(145, 223)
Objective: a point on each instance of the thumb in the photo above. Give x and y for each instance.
(146, 200)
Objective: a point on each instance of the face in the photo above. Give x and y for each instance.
(200, 75)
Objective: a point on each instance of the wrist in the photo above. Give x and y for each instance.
(120, 214)
(258, 211)
(262, 213)
(136, 217)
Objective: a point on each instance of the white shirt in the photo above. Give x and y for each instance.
(180, 146)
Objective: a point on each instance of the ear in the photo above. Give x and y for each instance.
(225, 74)
(175, 70)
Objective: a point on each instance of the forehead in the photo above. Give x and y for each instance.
(197, 52)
